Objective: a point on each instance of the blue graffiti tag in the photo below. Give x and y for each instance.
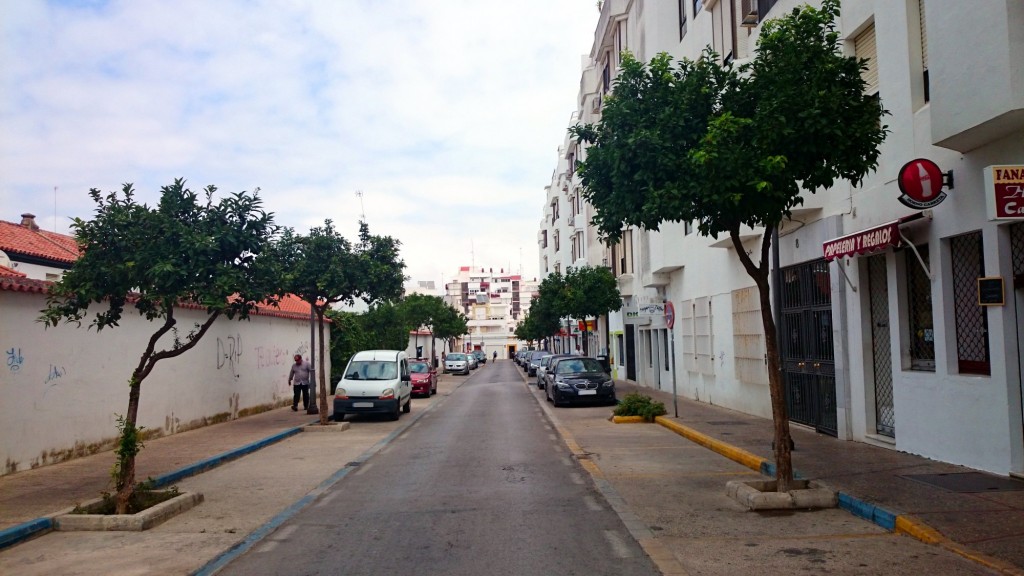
(14, 359)
(56, 372)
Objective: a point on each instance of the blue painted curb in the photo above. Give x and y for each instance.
(214, 461)
(24, 531)
(868, 511)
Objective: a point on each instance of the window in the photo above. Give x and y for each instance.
(606, 75)
(544, 239)
(687, 228)
(864, 49)
(697, 4)
(556, 241)
(971, 320)
(554, 212)
(682, 19)
(572, 164)
(650, 347)
(919, 296)
(723, 24)
(620, 345)
(626, 257)
(924, 47)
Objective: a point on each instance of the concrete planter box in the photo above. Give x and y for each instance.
(329, 427)
(761, 495)
(144, 520)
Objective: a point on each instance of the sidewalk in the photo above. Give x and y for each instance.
(976, 515)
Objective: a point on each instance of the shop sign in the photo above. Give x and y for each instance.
(921, 182)
(1004, 192)
(652, 309)
(870, 240)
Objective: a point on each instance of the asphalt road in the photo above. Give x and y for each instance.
(481, 485)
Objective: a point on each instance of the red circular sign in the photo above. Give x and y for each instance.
(920, 181)
(670, 314)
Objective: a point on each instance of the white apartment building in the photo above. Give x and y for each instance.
(494, 304)
(887, 335)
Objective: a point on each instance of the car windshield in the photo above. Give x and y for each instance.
(371, 370)
(419, 367)
(456, 357)
(578, 366)
(538, 355)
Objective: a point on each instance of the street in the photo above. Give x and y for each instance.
(482, 484)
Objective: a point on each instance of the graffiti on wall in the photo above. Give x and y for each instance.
(14, 359)
(229, 353)
(270, 356)
(55, 373)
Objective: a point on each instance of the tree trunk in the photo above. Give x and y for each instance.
(780, 419)
(322, 394)
(128, 448)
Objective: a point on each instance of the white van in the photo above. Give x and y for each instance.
(374, 382)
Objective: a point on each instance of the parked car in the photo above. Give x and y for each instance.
(473, 362)
(480, 356)
(534, 361)
(456, 363)
(374, 382)
(576, 379)
(545, 368)
(424, 378)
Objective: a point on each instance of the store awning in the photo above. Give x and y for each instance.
(866, 241)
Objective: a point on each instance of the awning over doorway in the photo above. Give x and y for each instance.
(866, 241)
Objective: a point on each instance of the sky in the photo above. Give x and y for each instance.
(446, 115)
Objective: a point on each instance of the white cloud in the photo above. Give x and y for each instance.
(446, 114)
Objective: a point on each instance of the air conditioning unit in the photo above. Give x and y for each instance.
(748, 8)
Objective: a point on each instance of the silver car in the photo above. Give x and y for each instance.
(456, 363)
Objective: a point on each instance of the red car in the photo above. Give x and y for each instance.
(424, 378)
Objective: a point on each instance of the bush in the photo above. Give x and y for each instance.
(636, 404)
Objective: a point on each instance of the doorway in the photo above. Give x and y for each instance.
(630, 359)
(881, 350)
(808, 354)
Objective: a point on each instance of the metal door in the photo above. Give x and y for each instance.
(808, 355)
(881, 351)
(1017, 256)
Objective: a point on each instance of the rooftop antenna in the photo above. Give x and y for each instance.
(362, 209)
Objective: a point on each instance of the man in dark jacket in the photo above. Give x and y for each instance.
(300, 373)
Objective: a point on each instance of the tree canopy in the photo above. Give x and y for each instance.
(730, 146)
(185, 250)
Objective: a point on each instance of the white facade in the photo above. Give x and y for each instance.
(494, 303)
(64, 386)
(862, 360)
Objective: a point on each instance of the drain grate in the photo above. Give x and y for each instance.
(967, 482)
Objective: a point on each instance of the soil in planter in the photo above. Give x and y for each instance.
(141, 499)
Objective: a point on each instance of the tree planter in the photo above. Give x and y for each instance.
(329, 427)
(138, 522)
(761, 495)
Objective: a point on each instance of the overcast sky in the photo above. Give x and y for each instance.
(446, 114)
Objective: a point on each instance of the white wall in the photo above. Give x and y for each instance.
(63, 387)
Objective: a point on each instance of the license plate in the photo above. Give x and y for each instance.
(588, 392)
(362, 404)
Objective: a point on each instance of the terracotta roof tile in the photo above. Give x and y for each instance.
(18, 239)
(5, 271)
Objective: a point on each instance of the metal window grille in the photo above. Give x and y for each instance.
(881, 353)
(922, 327)
(1017, 248)
(971, 320)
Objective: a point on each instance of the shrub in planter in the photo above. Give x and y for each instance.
(636, 404)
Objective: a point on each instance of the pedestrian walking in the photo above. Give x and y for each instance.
(300, 374)
(494, 357)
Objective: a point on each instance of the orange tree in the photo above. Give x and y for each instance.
(182, 251)
(729, 146)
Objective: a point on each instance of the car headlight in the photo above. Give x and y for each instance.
(387, 393)
(563, 386)
(340, 394)
(607, 384)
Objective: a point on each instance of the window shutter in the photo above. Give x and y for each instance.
(864, 48)
(924, 36)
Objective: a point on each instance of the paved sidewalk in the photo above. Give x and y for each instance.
(985, 525)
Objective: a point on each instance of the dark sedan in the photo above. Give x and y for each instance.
(576, 380)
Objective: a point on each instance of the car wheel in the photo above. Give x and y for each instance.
(408, 406)
(554, 399)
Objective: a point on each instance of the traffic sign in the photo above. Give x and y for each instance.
(670, 314)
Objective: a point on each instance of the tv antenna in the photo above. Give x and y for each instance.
(362, 209)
